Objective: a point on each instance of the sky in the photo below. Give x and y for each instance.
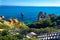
(30, 2)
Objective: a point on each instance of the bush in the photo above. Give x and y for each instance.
(5, 32)
(33, 38)
(3, 26)
(19, 36)
(2, 21)
(10, 37)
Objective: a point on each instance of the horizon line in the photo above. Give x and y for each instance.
(29, 6)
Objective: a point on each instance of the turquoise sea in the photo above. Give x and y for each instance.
(30, 12)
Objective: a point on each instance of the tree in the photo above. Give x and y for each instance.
(58, 20)
(42, 30)
(10, 37)
(19, 36)
(54, 24)
(5, 32)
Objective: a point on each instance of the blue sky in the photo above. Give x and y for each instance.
(30, 2)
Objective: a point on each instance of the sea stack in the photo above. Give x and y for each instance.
(22, 19)
(40, 15)
(22, 15)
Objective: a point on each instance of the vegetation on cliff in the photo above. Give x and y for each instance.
(18, 32)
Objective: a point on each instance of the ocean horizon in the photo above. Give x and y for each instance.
(30, 12)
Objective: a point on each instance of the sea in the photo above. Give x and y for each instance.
(30, 12)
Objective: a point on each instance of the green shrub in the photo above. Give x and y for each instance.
(4, 33)
(3, 26)
(33, 38)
